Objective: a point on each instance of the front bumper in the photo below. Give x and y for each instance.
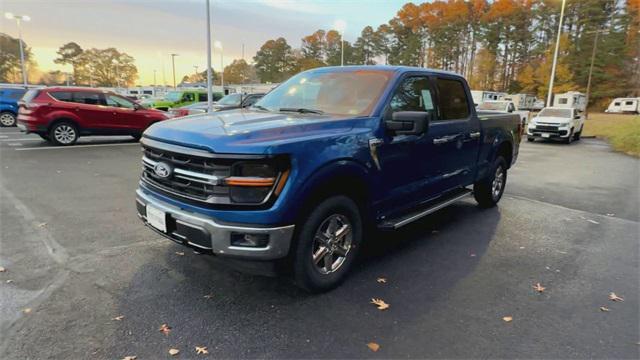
(548, 132)
(204, 233)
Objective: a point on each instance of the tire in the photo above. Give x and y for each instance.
(339, 217)
(489, 190)
(530, 139)
(569, 138)
(63, 133)
(8, 119)
(576, 136)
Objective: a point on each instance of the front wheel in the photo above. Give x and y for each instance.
(569, 138)
(530, 139)
(7, 119)
(328, 241)
(577, 135)
(489, 190)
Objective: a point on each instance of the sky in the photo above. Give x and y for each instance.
(149, 30)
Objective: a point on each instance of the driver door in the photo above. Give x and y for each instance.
(125, 117)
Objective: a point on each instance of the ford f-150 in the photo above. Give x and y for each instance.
(297, 179)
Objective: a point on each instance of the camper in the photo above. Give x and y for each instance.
(571, 99)
(624, 105)
(521, 101)
(480, 96)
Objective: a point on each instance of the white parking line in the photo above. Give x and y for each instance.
(15, 144)
(25, 139)
(3, 137)
(73, 146)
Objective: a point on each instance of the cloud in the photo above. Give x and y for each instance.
(303, 6)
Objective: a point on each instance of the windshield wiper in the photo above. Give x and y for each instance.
(302, 110)
(260, 107)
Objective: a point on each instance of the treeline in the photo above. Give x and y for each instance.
(503, 45)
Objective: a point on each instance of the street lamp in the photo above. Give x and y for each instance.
(555, 55)
(209, 91)
(154, 82)
(218, 45)
(19, 19)
(173, 64)
(593, 57)
(340, 26)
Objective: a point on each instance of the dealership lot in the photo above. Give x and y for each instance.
(78, 258)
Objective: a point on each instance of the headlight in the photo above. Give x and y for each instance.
(253, 182)
(564, 124)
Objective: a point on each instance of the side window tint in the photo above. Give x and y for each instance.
(452, 100)
(188, 97)
(117, 101)
(62, 95)
(202, 97)
(89, 98)
(413, 94)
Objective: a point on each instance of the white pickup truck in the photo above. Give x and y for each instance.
(505, 106)
(556, 123)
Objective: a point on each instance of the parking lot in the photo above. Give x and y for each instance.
(85, 279)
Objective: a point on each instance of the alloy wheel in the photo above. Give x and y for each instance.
(332, 243)
(498, 183)
(7, 119)
(65, 134)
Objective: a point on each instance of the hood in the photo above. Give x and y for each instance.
(245, 131)
(552, 119)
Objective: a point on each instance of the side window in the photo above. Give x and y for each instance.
(251, 100)
(452, 100)
(89, 98)
(117, 101)
(511, 107)
(202, 97)
(188, 97)
(563, 101)
(413, 94)
(62, 95)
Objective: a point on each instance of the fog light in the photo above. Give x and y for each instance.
(249, 240)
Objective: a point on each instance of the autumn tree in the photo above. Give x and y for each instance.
(70, 54)
(106, 67)
(239, 72)
(274, 61)
(10, 69)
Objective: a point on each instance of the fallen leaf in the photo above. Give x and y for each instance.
(173, 352)
(26, 311)
(129, 358)
(380, 304)
(539, 288)
(181, 253)
(611, 214)
(593, 221)
(42, 224)
(195, 252)
(521, 247)
(507, 319)
(118, 318)
(2, 269)
(472, 255)
(202, 350)
(614, 297)
(9, 281)
(382, 280)
(208, 296)
(373, 346)
(604, 308)
(165, 329)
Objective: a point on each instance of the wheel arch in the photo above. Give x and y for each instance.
(63, 119)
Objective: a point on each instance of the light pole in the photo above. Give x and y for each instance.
(218, 45)
(593, 57)
(154, 83)
(18, 19)
(209, 91)
(341, 26)
(173, 65)
(555, 55)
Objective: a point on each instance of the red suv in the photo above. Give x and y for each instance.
(62, 114)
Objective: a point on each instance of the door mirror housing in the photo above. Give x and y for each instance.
(577, 117)
(409, 122)
(137, 106)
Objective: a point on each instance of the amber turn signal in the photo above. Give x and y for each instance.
(249, 181)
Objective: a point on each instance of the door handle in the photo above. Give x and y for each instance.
(474, 135)
(445, 139)
(77, 109)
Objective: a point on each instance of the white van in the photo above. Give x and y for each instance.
(624, 105)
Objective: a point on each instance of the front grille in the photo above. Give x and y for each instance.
(546, 128)
(195, 178)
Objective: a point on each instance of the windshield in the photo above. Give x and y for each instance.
(565, 113)
(231, 99)
(30, 95)
(173, 96)
(492, 106)
(331, 92)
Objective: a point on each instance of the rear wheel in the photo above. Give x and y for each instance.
(64, 133)
(489, 190)
(327, 244)
(7, 119)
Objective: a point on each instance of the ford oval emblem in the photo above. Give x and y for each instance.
(163, 170)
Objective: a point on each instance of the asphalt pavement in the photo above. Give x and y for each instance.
(85, 279)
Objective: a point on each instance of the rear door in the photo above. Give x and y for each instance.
(455, 135)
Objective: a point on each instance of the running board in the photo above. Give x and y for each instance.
(402, 220)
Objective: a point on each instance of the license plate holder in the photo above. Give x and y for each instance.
(544, 135)
(157, 218)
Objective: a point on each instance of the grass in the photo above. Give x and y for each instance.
(622, 131)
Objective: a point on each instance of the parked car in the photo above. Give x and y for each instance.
(229, 102)
(624, 105)
(556, 123)
(178, 98)
(506, 106)
(9, 105)
(296, 179)
(62, 114)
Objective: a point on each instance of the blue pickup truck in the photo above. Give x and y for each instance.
(296, 180)
(9, 97)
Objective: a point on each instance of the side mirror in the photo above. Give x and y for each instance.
(577, 117)
(409, 122)
(137, 106)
